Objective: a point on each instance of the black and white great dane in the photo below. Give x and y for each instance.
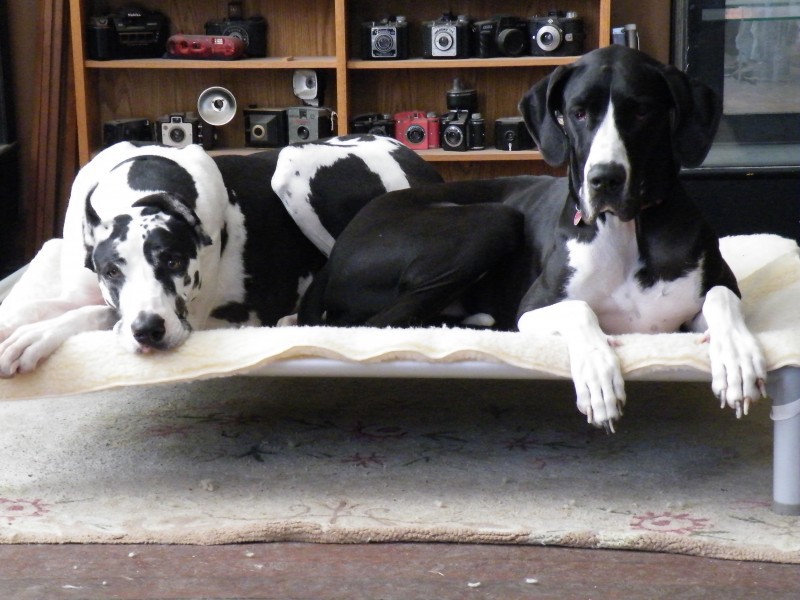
(161, 241)
(615, 247)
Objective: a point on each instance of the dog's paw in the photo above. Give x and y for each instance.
(738, 369)
(599, 386)
(22, 351)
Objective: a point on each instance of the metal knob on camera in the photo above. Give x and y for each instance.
(216, 106)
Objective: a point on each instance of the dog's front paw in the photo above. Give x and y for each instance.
(24, 348)
(599, 386)
(738, 369)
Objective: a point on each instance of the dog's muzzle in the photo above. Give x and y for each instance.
(607, 192)
(149, 329)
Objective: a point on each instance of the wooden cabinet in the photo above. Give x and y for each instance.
(323, 35)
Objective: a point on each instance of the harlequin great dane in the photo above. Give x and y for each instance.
(614, 247)
(160, 241)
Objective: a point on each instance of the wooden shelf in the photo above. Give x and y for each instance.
(489, 154)
(280, 62)
(461, 63)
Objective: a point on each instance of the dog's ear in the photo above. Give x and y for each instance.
(538, 107)
(91, 220)
(698, 110)
(171, 204)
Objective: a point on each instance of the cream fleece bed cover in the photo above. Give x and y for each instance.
(767, 266)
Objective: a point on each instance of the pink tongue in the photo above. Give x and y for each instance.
(577, 218)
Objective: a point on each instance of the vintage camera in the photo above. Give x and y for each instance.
(130, 32)
(557, 34)
(447, 37)
(308, 123)
(132, 130)
(373, 123)
(266, 127)
(417, 130)
(454, 127)
(501, 35)
(386, 39)
(205, 47)
(252, 30)
(181, 129)
(511, 133)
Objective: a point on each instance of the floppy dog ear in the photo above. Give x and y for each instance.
(90, 220)
(171, 204)
(698, 110)
(538, 107)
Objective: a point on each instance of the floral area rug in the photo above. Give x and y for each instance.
(358, 460)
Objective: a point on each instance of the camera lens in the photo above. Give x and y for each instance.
(511, 42)
(383, 43)
(303, 132)
(548, 38)
(258, 132)
(453, 136)
(177, 134)
(444, 41)
(415, 134)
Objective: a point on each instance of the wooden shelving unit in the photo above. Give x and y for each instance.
(321, 35)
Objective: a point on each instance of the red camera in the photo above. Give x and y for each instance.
(205, 47)
(417, 130)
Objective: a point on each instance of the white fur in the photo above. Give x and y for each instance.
(607, 147)
(297, 166)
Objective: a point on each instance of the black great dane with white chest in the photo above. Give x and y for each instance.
(615, 247)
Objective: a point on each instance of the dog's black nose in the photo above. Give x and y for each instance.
(607, 178)
(148, 329)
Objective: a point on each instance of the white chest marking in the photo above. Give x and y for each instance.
(605, 277)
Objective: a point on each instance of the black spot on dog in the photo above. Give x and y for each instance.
(197, 282)
(223, 238)
(151, 172)
(233, 312)
(332, 186)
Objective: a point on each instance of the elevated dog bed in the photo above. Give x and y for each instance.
(768, 269)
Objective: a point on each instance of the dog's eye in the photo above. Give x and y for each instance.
(174, 263)
(642, 111)
(579, 114)
(112, 272)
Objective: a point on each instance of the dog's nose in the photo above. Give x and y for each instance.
(607, 178)
(148, 329)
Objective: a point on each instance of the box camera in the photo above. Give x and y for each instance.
(130, 32)
(385, 40)
(266, 127)
(557, 34)
(501, 35)
(511, 133)
(447, 37)
(131, 130)
(252, 30)
(181, 129)
(308, 123)
(417, 130)
(457, 131)
(373, 123)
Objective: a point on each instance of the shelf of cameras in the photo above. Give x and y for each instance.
(504, 41)
(135, 38)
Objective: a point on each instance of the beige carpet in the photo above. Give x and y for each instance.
(358, 460)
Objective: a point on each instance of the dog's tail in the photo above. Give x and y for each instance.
(312, 305)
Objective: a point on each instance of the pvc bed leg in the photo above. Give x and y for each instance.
(784, 389)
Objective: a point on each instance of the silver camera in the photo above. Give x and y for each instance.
(307, 123)
(181, 129)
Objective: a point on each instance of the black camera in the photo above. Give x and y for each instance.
(252, 30)
(130, 32)
(374, 123)
(501, 35)
(557, 34)
(308, 123)
(511, 133)
(454, 130)
(386, 39)
(130, 130)
(265, 127)
(181, 129)
(447, 37)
